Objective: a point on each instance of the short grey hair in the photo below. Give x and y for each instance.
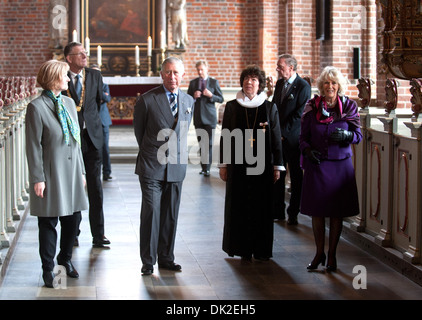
(289, 59)
(333, 74)
(172, 60)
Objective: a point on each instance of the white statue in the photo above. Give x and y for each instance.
(177, 12)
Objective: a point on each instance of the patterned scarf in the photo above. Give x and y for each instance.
(65, 120)
(346, 110)
(323, 115)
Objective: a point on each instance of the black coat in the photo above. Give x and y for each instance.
(248, 219)
(291, 108)
(91, 106)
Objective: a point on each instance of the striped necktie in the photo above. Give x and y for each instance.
(284, 90)
(173, 104)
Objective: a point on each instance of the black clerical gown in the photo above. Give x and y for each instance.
(248, 221)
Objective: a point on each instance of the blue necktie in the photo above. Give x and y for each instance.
(78, 87)
(173, 104)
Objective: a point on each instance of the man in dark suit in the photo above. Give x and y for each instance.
(290, 95)
(106, 121)
(161, 122)
(85, 88)
(206, 92)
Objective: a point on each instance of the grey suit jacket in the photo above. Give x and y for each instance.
(205, 111)
(52, 161)
(162, 140)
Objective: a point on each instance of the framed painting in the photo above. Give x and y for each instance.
(117, 26)
(117, 22)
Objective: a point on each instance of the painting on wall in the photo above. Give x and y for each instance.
(117, 22)
(117, 26)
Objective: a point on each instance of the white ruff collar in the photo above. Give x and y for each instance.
(244, 101)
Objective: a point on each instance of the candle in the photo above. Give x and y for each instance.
(137, 55)
(87, 46)
(99, 56)
(75, 36)
(163, 40)
(149, 51)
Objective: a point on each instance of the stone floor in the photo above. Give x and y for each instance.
(114, 273)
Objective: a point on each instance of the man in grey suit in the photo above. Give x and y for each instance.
(161, 121)
(206, 92)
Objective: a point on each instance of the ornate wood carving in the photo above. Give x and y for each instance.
(121, 108)
(416, 100)
(403, 37)
(391, 95)
(364, 87)
(270, 86)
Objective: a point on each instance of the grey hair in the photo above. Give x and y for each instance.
(171, 60)
(289, 59)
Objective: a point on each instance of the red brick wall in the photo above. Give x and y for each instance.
(24, 36)
(230, 34)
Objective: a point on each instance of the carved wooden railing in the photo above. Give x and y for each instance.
(388, 165)
(15, 93)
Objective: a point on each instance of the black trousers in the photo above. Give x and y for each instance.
(291, 157)
(47, 235)
(93, 162)
(205, 147)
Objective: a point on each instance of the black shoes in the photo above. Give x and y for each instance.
(48, 277)
(147, 269)
(331, 267)
(107, 177)
(206, 173)
(99, 242)
(292, 221)
(315, 263)
(70, 269)
(170, 266)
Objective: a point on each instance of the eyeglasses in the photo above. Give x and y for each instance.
(82, 53)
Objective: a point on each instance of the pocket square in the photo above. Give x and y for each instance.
(291, 97)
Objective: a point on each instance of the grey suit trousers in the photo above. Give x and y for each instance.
(159, 213)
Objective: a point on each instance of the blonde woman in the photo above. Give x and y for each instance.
(56, 169)
(330, 124)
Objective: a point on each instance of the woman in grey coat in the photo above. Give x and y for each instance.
(56, 169)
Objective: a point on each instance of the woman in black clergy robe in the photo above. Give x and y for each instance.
(250, 163)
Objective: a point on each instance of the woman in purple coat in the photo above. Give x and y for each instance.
(330, 123)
